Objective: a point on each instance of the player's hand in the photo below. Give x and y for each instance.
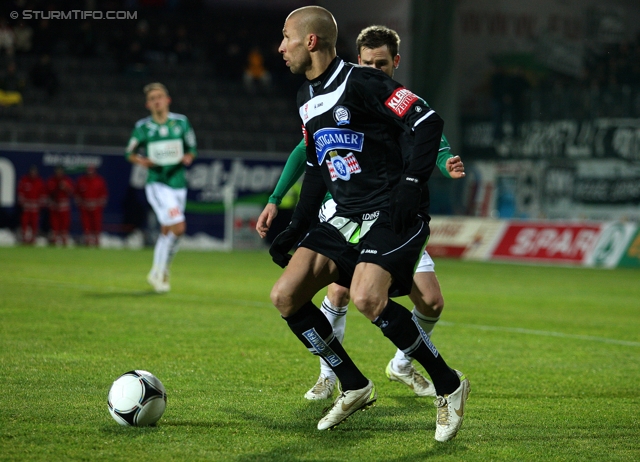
(404, 204)
(187, 159)
(285, 241)
(455, 167)
(266, 218)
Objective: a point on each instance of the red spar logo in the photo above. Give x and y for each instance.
(571, 243)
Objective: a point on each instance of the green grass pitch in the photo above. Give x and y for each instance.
(553, 357)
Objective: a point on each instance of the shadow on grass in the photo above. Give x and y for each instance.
(134, 432)
(199, 424)
(306, 443)
(291, 454)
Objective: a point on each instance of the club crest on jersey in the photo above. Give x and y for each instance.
(341, 115)
(342, 167)
(400, 101)
(328, 139)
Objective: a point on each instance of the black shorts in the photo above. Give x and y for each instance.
(397, 254)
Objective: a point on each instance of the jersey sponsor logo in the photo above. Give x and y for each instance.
(169, 152)
(400, 101)
(371, 216)
(342, 167)
(321, 348)
(341, 115)
(328, 139)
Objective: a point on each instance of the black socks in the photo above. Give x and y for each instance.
(398, 325)
(315, 332)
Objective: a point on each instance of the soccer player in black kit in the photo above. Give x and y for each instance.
(352, 117)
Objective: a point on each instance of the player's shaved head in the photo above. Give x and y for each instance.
(318, 21)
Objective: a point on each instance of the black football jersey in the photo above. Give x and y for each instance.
(352, 118)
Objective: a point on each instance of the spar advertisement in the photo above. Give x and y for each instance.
(605, 244)
(566, 243)
(601, 244)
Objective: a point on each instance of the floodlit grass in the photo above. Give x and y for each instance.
(553, 356)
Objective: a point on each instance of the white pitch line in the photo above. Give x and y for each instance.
(544, 333)
(516, 330)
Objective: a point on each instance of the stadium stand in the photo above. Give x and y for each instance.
(98, 94)
(92, 94)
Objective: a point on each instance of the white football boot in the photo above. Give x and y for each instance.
(157, 281)
(413, 379)
(346, 404)
(451, 410)
(323, 389)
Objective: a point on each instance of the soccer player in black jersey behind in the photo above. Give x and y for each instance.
(352, 119)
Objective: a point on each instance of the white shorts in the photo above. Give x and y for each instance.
(426, 264)
(328, 210)
(167, 203)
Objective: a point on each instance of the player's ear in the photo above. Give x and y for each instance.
(396, 61)
(359, 60)
(312, 42)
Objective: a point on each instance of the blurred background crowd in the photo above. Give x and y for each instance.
(219, 60)
(86, 80)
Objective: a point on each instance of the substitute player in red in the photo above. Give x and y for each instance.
(31, 197)
(60, 189)
(91, 197)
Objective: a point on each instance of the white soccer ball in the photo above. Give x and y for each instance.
(137, 398)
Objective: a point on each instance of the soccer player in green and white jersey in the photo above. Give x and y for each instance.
(170, 147)
(377, 47)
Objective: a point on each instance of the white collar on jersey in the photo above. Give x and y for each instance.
(331, 79)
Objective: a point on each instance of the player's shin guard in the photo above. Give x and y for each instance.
(399, 326)
(315, 332)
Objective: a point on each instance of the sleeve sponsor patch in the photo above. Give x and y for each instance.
(400, 101)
